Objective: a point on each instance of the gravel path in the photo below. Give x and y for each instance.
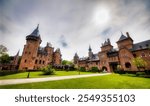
(30, 80)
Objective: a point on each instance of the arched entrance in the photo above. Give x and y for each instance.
(127, 65)
(104, 69)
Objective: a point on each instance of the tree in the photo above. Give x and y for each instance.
(66, 62)
(3, 49)
(139, 63)
(4, 58)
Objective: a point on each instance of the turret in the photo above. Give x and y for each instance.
(125, 41)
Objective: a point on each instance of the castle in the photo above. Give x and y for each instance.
(34, 56)
(109, 58)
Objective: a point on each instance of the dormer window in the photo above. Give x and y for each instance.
(140, 47)
(147, 45)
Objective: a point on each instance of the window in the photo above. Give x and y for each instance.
(36, 61)
(143, 54)
(29, 52)
(127, 65)
(43, 62)
(25, 61)
(147, 45)
(140, 47)
(134, 55)
(40, 62)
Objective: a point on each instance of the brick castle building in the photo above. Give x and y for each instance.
(34, 56)
(109, 58)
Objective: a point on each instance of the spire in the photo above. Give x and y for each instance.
(90, 48)
(18, 53)
(35, 32)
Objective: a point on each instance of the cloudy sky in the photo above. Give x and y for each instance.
(73, 25)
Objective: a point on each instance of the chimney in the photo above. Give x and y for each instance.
(128, 34)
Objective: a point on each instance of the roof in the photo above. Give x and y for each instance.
(35, 32)
(141, 45)
(122, 38)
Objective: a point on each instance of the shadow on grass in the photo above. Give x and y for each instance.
(134, 75)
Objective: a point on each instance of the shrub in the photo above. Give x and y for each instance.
(48, 70)
(94, 69)
(82, 69)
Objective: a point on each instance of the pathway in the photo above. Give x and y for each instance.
(30, 80)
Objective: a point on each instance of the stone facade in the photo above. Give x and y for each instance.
(35, 57)
(109, 58)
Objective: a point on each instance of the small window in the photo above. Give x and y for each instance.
(25, 61)
(29, 52)
(43, 62)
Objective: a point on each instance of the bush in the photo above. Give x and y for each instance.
(48, 70)
(82, 69)
(94, 69)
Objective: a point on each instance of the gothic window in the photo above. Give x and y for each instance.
(43, 62)
(25, 61)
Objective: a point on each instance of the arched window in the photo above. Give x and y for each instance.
(36, 61)
(127, 65)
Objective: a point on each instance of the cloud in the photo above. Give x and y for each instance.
(73, 19)
(62, 41)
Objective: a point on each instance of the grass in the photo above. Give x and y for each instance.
(40, 74)
(113, 81)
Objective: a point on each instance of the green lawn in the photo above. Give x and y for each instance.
(99, 82)
(40, 74)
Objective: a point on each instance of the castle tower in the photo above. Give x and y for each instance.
(57, 57)
(30, 50)
(90, 52)
(106, 46)
(16, 59)
(76, 58)
(125, 41)
(49, 50)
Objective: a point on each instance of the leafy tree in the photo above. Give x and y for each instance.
(66, 62)
(4, 58)
(3, 49)
(139, 63)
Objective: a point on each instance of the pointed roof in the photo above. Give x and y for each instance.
(90, 48)
(123, 37)
(35, 32)
(18, 53)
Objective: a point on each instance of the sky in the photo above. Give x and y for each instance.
(73, 25)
